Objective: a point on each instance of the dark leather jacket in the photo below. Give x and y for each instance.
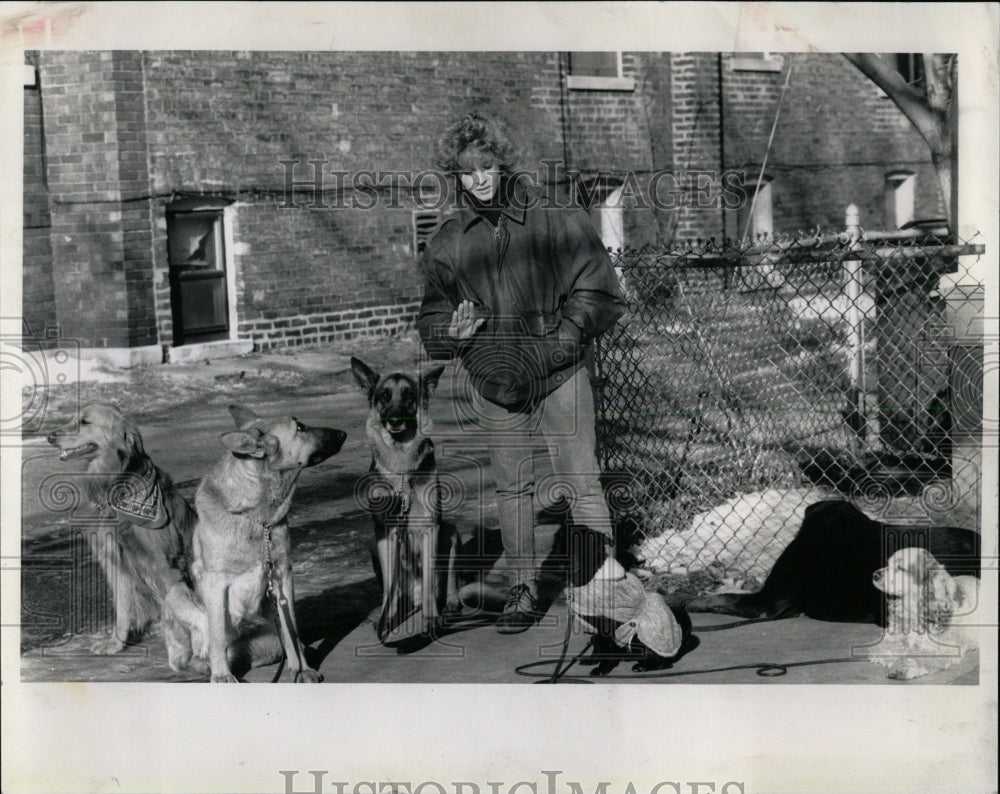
(542, 279)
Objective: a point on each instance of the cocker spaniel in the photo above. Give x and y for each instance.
(929, 627)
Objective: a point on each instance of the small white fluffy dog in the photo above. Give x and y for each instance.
(929, 626)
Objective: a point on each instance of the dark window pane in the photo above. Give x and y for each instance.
(594, 64)
(192, 240)
(203, 305)
(911, 66)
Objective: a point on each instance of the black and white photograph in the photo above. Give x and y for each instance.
(435, 351)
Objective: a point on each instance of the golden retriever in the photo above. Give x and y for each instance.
(147, 562)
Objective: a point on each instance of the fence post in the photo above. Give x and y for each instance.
(853, 288)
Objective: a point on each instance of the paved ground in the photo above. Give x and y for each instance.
(182, 410)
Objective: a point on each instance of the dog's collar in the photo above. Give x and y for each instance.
(138, 496)
(400, 484)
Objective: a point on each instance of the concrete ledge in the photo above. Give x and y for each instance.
(116, 357)
(579, 82)
(226, 348)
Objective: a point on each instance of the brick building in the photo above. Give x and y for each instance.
(158, 216)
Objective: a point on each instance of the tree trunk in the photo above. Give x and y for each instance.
(930, 115)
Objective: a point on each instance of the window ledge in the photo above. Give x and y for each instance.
(589, 83)
(773, 63)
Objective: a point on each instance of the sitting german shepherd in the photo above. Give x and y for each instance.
(241, 544)
(404, 499)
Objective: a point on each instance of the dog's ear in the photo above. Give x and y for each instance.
(429, 382)
(941, 594)
(270, 444)
(363, 374)
(243, 417)
(246, 442)
(131, 438)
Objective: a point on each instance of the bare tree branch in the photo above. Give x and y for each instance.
(938, 71)
(931, 111)
(929, 122)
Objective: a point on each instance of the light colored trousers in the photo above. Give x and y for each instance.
(564, 422)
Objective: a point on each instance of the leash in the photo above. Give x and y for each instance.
(763, 669)
(280, 601)
(269, 572)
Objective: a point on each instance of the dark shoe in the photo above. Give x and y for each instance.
(519, 613)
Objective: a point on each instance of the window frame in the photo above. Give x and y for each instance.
(582, 82)
(754, 196)
(757, 62)
(901, 184)
(421, 237)
(221, 212)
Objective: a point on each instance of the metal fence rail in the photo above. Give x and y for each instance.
(748, 379)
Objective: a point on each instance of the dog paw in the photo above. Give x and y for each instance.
(107, 646)
(905, 670)
(190, 665)
(308, 676)
(453, 606)
(650, 665)
(604, 667)
(224, 678)
(200, 666)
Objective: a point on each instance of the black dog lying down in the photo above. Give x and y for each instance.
(826, 572)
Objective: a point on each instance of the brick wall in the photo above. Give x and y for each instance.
(349, 323)
(38, 296)
(222, 123)
(696, 139)
(128, 132)
(626, 134)
(837, 137)
(100, 238)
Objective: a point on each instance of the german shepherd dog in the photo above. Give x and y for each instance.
(147, 564)
(404, 499)
(241, 544)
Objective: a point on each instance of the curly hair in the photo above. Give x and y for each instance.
(476, 139)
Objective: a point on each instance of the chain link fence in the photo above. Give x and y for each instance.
(749, 380)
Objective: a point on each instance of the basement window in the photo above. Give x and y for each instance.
(756, 217)
(900, 192)
(597, 71)
(425, 224)
(757, 62)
